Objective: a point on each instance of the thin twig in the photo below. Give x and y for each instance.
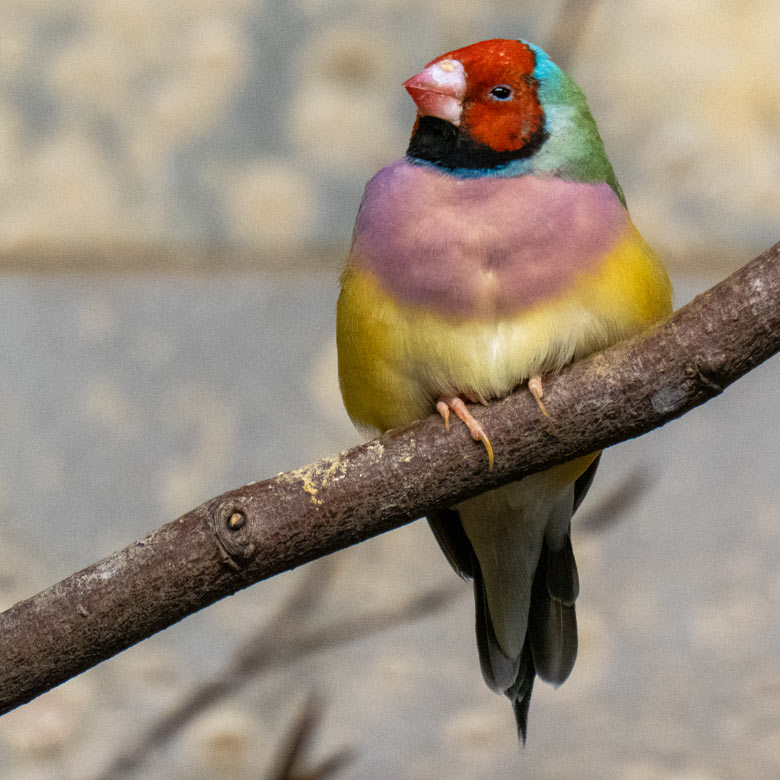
(288, 765)
(615, 505)
(291, 612)
(297, 740)
(270, 647)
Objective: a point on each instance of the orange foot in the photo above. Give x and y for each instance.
(447, 402)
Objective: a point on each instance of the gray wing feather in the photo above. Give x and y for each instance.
(563, 582)
(583, 483)
(499, 670)
(552, 623)
(449, 533)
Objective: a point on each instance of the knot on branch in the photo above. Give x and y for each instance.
(229, 520)
(709, 374)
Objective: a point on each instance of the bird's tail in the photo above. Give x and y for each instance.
(514, 542)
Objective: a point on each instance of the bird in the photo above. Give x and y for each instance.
(495, 252)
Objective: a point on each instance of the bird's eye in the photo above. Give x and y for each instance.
(501, 92)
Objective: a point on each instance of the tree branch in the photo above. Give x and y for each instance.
(259, 530)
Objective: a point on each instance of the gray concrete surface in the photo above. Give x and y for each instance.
(125, 401)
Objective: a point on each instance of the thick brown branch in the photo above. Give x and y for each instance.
(259, 530)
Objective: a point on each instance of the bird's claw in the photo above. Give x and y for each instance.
(537, 391)
(443, 406)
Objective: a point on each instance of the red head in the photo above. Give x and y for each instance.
(487, 90)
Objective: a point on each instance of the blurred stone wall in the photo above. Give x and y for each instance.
(179, 136)
(258, 123)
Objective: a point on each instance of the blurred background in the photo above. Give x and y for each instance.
(178, 183)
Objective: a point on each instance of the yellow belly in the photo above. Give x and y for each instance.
(395, 360)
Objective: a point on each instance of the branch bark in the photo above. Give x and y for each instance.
(267, 527)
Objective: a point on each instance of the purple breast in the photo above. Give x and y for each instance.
(482, 247)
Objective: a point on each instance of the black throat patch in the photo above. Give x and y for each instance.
(439, 142)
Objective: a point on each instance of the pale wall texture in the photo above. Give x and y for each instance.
(192, 135)
(259, 122)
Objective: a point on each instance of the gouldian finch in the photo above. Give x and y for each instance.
(496, 251)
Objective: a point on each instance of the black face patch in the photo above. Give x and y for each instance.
(439, 142)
